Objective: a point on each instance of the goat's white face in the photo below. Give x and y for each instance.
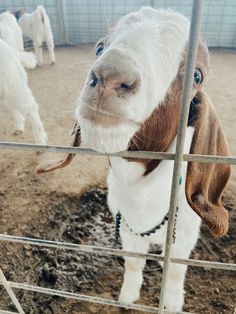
(136, 64)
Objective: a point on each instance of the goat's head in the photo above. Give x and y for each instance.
(136, 64)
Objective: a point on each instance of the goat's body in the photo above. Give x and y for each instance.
(131, 101)
(15, 94)
(143, 202)
(37, 27)
(11, 33)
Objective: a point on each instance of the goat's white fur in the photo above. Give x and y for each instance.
(15, 94)
(143, 201)
(36, 25)
(11, 33)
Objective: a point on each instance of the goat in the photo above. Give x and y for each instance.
(15, 94)
(37, 26)
(11, 33)
(131, 101)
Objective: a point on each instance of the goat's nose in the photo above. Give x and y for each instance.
(115, 81)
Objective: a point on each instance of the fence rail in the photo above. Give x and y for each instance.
(86, 298)
(115, 252)
(178, 157)
(125, 154)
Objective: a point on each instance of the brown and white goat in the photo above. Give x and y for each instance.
(131, 101)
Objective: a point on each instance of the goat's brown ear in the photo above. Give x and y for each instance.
(205, 182)
(66, 160)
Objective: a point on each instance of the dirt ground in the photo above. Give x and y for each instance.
(70, 205)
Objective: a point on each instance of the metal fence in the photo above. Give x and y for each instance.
(85, 21)
(178, 157)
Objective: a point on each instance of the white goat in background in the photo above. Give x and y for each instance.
(12, 34)
(15, 94)
(37, 26)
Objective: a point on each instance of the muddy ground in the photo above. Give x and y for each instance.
(49, 207)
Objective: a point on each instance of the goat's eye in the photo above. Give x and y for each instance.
(99, 49)
(198, 77)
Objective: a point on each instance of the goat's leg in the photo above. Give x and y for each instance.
(19, 121)
(39, 134)
(133, 276)
(38, 49)
(184, 244)
(174, 297)
(50, 46)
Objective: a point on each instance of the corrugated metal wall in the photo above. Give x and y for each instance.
(85, 21)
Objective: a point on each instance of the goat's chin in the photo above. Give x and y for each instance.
(106, 139)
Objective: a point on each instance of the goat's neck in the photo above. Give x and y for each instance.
(159, 130)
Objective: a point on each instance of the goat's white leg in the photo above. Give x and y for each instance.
(133, 276)
(38, 48)
(50, 46)
(19, 121)
(39, 134)
(185, 242)
(174, 298)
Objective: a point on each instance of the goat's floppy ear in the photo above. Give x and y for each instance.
(205, 182)
(66, 160)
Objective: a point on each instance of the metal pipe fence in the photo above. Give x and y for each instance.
(85, 21)
(178, 158)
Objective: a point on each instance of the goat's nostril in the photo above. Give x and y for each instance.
(93, 81)
(125, 86)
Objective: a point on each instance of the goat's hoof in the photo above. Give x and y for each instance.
(127, 300)
(174, 304)
(18, 132)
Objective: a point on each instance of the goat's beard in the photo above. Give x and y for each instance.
(106, 139)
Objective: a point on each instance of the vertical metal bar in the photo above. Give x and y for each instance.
(60, 21)
(10, 293)
(151, 4)
(188, 82)
(219, 44)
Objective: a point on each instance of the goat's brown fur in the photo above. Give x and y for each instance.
(51, 165)
(206, 181)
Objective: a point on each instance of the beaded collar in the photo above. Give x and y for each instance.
(147, 233)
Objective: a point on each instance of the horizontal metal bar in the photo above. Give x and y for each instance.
(126, 154)
(7, 312)
(86, 298)
(114, 252)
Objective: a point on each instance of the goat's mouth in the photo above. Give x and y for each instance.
(105, 132)
(105, 118)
